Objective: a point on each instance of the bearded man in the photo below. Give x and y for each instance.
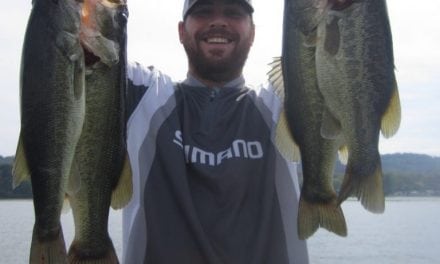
(210, 186)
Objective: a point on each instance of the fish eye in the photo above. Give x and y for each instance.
(113, 3)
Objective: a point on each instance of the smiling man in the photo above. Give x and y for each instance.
(217, 38)
(210, 185)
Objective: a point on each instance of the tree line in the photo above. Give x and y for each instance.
(6, 190)
(403, 175)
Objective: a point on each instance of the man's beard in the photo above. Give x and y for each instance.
(222, 70)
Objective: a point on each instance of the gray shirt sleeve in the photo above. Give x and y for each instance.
(138, 83)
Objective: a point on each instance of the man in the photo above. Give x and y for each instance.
(209, 184)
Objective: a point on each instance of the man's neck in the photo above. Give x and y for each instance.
(213, 82)
(194, 81)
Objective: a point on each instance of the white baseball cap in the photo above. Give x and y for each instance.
(190, 3)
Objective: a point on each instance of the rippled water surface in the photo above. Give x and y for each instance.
(408, 232)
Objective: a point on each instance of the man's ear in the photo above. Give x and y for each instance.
(181, 28)
(253, 34)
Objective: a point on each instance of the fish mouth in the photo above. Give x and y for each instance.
(340, 5)
(89, 57)
(97, 47)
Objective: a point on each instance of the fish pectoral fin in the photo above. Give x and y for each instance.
(343, 154)
(124, 189)
(20, 168)
(66, 205)
(284, 140)
(74, 180)
(69, 45)
(311, 216)
(79, 80)
(276, 77)
(332, 36)
(330, 126)
(391, 119)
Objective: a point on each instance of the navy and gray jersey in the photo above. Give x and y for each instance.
(209, 185)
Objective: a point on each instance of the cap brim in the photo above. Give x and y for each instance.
(188, 9)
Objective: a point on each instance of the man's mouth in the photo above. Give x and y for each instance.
(217, 40)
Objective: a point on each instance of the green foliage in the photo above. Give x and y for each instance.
(6, 160)
(6, 191)
(403, 174)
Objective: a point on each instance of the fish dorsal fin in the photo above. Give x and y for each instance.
(20, 169)
(276, 77)
(284, 141)
(330, 127)
(124, 189)
(391, 119)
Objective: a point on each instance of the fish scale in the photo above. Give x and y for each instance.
(337, 80)
(355, 70)
(101, 155)
(52, 114)
(72, 139)
(304, 109)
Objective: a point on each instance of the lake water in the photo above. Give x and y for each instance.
(407, 233)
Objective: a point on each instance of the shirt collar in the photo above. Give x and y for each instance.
(236, 83)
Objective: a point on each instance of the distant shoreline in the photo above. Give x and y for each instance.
(351, 199)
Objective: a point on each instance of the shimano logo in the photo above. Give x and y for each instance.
(238, 149)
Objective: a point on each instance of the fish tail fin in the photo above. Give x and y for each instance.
(391, 118)
(77, 255)
(20, 168)
(311, 216)
(48, 250)
(284, 141)
(73, 185)
(369, 189)
(122, 193)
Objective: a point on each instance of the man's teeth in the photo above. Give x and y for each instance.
(217, 40)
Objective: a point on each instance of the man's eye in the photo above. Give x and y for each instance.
(235, 13)
(201, 12)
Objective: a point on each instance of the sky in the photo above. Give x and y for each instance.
(153, 40)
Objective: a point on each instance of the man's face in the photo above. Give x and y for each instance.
(217, 36)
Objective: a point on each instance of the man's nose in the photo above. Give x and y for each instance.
(218, 20)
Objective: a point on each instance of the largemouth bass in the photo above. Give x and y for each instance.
(52, 113)
(101, 153)
(304, 111)
(355, 69)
